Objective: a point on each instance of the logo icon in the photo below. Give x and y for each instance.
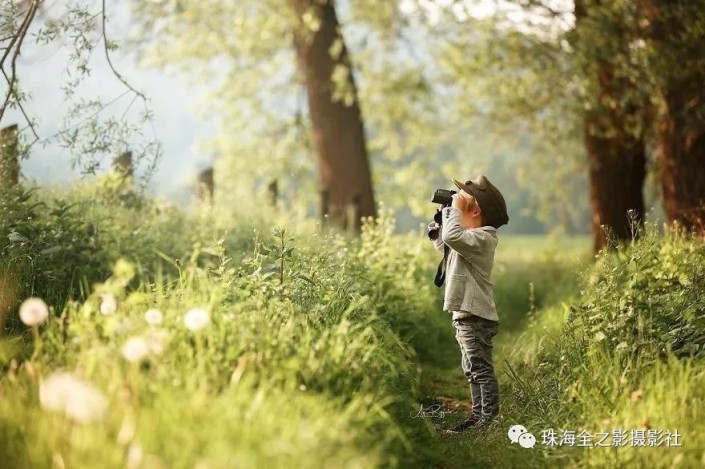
(519, 434)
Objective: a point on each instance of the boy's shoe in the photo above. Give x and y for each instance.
(488, 422)
(465, 425)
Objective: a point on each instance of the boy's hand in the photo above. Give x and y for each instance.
(462, 201)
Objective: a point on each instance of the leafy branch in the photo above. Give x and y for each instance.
(13, 97)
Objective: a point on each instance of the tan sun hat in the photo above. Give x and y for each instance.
(490, 199)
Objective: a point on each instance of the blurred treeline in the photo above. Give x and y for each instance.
(582, 112)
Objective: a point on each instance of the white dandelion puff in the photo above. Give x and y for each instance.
(34, 311)
(196, 319)
(109, 304)
(79, 400)
(153, 317)
(135, 349)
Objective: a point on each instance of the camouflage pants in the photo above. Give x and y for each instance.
(474, 335)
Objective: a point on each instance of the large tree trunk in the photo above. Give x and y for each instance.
(616, 156)
(674, 32)
(681, 149)
(338, 134)
(617, 166)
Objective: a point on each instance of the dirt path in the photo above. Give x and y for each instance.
(447, 397)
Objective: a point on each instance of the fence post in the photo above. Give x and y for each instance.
(206, 186)
(9, 158)
(273, 190)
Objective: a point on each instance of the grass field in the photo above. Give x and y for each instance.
(205, 339)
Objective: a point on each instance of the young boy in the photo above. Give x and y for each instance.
(469, 229)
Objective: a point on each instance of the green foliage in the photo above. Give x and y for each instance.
(416, 137)
(312, 354)
(519, 86)
(627, 353)
(300, 365)
(644, 299)
(56, 246)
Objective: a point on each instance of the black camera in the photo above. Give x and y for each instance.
(445, 198)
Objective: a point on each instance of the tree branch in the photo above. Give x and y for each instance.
(16, 43)
(106, 48)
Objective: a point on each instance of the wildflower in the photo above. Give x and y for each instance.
(109, 304)
(77, 399)
(196, 319)
(34, 311)
(135, 349)
(153, 317)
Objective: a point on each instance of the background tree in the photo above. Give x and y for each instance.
(416, 141)
(672, 39)
(338, 132)
(519, 79)
(615, 108)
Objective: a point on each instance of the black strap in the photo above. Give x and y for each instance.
(441, 272)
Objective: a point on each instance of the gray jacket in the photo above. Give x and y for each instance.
(467, 285)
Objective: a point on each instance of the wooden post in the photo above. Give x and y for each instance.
(206, 186)
(273, 190)
(8, 298)
(9, 158)
(123, 164)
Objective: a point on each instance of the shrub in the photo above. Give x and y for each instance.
(646, 299)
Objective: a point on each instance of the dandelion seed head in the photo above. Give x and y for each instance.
(108, 305)
(196, 319)
(135, 349)
(79, 400)
(153, 317)
(34, 311)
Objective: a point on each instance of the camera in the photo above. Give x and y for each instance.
(443, 197)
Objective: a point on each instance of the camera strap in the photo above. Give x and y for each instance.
(441, 272)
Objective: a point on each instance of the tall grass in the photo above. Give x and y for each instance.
(305, 362)
(316, 343)
(629, 356)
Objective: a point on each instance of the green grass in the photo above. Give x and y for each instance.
(554, 375)
(321, 349)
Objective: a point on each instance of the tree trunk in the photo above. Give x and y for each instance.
(681, 149)
(338, 132)
(673, 30)
(617, 168)
(9, 159)
(616, 156)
